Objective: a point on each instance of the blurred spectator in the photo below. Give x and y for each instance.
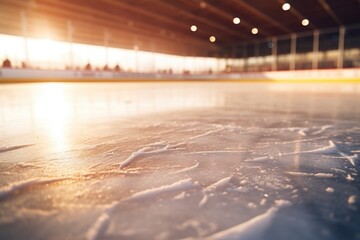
(24, 65)
(106, 68)
(6, 63)
(88, 67)
(117, 68)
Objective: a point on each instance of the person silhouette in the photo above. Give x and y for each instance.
(6, 63)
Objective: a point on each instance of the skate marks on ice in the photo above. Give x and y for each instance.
(17, 187)
(12, 148)
(253, 228)
(97, 230)
(331, 150)
(150, 150)
(206, 191)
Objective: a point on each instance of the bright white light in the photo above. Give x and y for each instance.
(193, 28)
(236, 20)
(286, 6)
(212, 39)
(305, 22)
(254, 31)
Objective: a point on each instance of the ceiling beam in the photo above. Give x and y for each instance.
(330, 12)
(151, 15)
(98, 16)
(65, 10)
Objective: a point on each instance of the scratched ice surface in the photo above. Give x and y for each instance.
(179, 161)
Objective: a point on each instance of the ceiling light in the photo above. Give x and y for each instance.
(254, 31)
(193, 28)
(305, 22)
(212, 39)
(286, 6)
(236, 20)
(203, 5)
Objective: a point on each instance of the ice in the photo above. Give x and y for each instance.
(351, 159)
(349, 178)
(331, 148)
(351, 199)
(303, 174)
(206, 133)
(177, 186)
(180, 196)
(219, 184)
(101, 224)
(18, 186)
(12, 148)
(203, 200)
(215, 152)
(179, 161)
(148, 151)
(323, 129)
(187, 169)
(251, 229)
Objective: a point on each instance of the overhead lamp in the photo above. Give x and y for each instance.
(203, 5)
(254, 31)
(236, 20)
(286, 6)
(212, 39)
(305, 22)
(193, 28)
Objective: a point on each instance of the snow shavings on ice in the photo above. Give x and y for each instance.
(187, 169)
(180, 196)
(12, 148)
(18, 186)
(203, 200)
(330, 149)
(259, 159)
(221, 183)
(329, 190)
(207, 133)
(175, 187)
(300, 131)
(349, 178)
(320, 175)
(351, 199)
(253, 228)
(101, 224)
(148, 151)
(216, 152)
(351, 159)
(323, 129)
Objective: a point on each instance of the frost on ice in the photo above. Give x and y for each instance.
(178, 161)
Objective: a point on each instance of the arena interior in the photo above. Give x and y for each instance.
(180, 119)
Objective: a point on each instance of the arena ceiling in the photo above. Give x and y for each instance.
(164, 25)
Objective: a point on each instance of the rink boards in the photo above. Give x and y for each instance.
(36, 75)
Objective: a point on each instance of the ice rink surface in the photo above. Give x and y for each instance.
(180, 161)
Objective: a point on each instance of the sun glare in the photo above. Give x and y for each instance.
(52, 112)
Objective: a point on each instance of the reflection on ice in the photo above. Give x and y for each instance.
(175, 161)
(51, 111)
